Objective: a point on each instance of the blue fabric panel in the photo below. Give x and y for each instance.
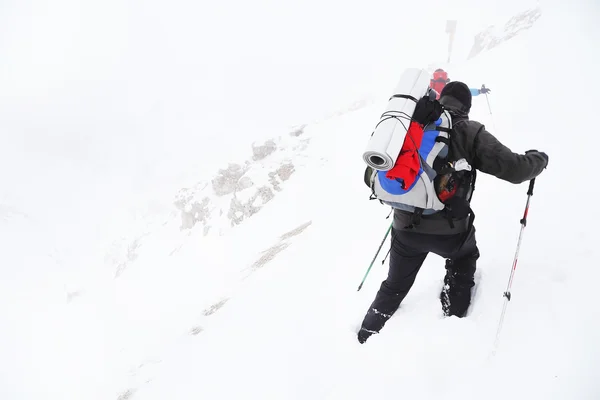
(394, 186)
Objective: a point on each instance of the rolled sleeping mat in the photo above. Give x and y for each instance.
(387, 139)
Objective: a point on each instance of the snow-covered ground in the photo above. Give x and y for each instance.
(182, 212)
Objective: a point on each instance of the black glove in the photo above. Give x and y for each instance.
(427, 111)
(544, 155)
(484, 90)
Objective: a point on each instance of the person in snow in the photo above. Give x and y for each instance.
(455, 242)
(440, 80)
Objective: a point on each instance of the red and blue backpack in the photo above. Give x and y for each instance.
(426, 178)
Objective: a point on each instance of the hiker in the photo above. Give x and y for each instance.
(452, 238)
(440, 79)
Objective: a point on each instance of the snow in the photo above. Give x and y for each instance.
(120, 281)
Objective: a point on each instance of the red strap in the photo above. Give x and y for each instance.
(408, 162)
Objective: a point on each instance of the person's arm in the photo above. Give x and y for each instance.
(493, 158)
(477, 92)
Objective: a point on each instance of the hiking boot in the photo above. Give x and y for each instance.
(456, 293)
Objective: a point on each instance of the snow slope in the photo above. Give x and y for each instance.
(121, 282)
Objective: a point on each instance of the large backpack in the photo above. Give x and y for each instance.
(426, 178)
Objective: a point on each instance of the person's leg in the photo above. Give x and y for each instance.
(459, 280)
(405, 262)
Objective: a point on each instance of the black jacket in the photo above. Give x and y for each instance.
(485, 153)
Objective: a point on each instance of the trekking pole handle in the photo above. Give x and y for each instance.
(530, 190)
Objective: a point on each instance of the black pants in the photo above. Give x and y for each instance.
(407, 254)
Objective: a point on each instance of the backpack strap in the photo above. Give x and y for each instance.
(464, 206)
(415, 218)
(449, 217)
(460, 206)
(404, 96)
(369, 175)
(474, 173)
(441, 139)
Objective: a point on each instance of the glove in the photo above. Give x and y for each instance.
(427, 111)
(544, 156)
(484, 90)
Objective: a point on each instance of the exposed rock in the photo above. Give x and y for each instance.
(227, 179)
(238, 211)
(196, 330)
(285, 171)
(262, 151)
(296, 231)
(126, 395)
(131, 256)
(297, 131)
(244, 183)
(269, 255)
(281, 174)
(214, 308)
(488, 39)
(194, 213)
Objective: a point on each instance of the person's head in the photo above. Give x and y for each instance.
(439, 80)
(440, 75)
(457, 95)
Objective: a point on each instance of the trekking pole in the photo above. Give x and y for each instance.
(488, 100)
(507, 295)
(490, 109)
(388, 253)
(376, 254)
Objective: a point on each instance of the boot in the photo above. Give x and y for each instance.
(456, 293)
(381, 310)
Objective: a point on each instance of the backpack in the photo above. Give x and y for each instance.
(426, 177)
